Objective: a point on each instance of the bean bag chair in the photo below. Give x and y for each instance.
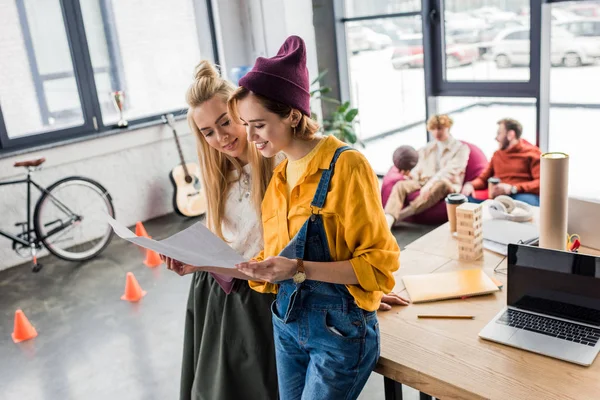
(437, 214)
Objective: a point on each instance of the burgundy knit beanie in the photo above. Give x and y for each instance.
(283, 78)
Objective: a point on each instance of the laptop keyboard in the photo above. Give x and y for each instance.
(550, 327)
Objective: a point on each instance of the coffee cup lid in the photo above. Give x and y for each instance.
(456, 198)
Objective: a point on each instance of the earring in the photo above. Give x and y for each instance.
(294, 130)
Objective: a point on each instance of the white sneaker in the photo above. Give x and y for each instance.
(390, 220)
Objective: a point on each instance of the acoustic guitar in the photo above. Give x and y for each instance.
(188, 196)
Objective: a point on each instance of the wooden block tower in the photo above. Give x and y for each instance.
(469, 231)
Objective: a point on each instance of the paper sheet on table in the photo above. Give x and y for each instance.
(196, 246)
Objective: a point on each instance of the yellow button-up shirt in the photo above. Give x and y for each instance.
(353, 216)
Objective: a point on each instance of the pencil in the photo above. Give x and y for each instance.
(447, 316)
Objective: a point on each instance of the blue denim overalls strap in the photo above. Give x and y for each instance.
(310, 244)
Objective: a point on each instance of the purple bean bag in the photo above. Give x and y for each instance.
(437, 214)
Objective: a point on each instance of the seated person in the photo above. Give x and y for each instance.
(516, 163)
(440, 170)
(405, 159)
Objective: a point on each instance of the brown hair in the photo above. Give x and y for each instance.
(214, 164)
(512, 125)
(439, 121)
(306, 128)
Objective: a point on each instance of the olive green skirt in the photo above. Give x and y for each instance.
(228, 350)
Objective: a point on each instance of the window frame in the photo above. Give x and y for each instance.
(83, 72)
(480, 88)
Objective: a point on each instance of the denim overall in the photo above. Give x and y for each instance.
(326, 346)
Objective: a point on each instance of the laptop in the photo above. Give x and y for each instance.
(553, 304)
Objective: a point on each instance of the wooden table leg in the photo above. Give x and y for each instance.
(393, 389)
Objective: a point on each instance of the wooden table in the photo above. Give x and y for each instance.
(446, 358)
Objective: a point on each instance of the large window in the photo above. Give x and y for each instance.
(62, 60)
(575, 92)
(362, 8)
(537, 61)
(386, 73)
(487, 43)
(476, 118)
(38, 91)
(384, 43)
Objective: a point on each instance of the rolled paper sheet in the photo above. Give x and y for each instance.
(554, 188)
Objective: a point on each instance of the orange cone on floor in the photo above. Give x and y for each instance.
(152, 259)
(140, 230)
(133, 291)
(23, 329)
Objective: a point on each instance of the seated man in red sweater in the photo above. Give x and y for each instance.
(516, 163)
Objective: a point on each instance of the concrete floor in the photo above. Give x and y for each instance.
(93, 345)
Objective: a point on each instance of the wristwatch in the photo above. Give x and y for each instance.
(300, 275)
(513, 190)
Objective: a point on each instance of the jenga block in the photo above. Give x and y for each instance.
(469, 247)
(469, 239)
(469, 231)
(470, 255)
(469, 207)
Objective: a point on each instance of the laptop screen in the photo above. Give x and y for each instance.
(557, 283)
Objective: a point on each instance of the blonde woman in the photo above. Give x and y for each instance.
(228, 342)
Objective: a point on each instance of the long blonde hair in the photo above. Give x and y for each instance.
(215, 165)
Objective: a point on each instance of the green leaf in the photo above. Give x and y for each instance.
(344, 107)
(321, 90)
(351, 114)
(319, 77)
(349, 134)
(329, 99)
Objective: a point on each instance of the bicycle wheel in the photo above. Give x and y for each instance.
(70, 218)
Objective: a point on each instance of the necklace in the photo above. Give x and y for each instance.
(244, 183)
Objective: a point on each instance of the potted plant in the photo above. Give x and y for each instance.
(341, 121)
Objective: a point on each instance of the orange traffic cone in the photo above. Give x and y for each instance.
(133, 291)
(23, 329)
(152, 259)
(140, 230)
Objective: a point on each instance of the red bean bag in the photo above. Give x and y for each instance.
(437, 214)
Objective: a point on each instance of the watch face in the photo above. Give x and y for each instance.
(299, 277)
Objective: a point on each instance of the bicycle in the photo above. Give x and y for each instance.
(64, 221)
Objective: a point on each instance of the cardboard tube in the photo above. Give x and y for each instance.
(554, 188)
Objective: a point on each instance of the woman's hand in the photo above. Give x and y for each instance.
(177, 266)
(388, 300)
(272, 269)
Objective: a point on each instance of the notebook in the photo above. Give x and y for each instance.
(448, 285)
(498, 233)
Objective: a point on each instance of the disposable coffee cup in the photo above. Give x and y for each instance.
(454, 200)
(492, 182)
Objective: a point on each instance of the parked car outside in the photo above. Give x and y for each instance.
(361, 38)
(511, 48)
(408, 53)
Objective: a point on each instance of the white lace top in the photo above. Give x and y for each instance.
(242, 227)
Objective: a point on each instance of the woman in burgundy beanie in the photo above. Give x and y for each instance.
(330, 277)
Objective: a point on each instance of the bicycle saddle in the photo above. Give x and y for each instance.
(30, 163)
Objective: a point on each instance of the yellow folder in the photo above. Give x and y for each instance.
(448, 285)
